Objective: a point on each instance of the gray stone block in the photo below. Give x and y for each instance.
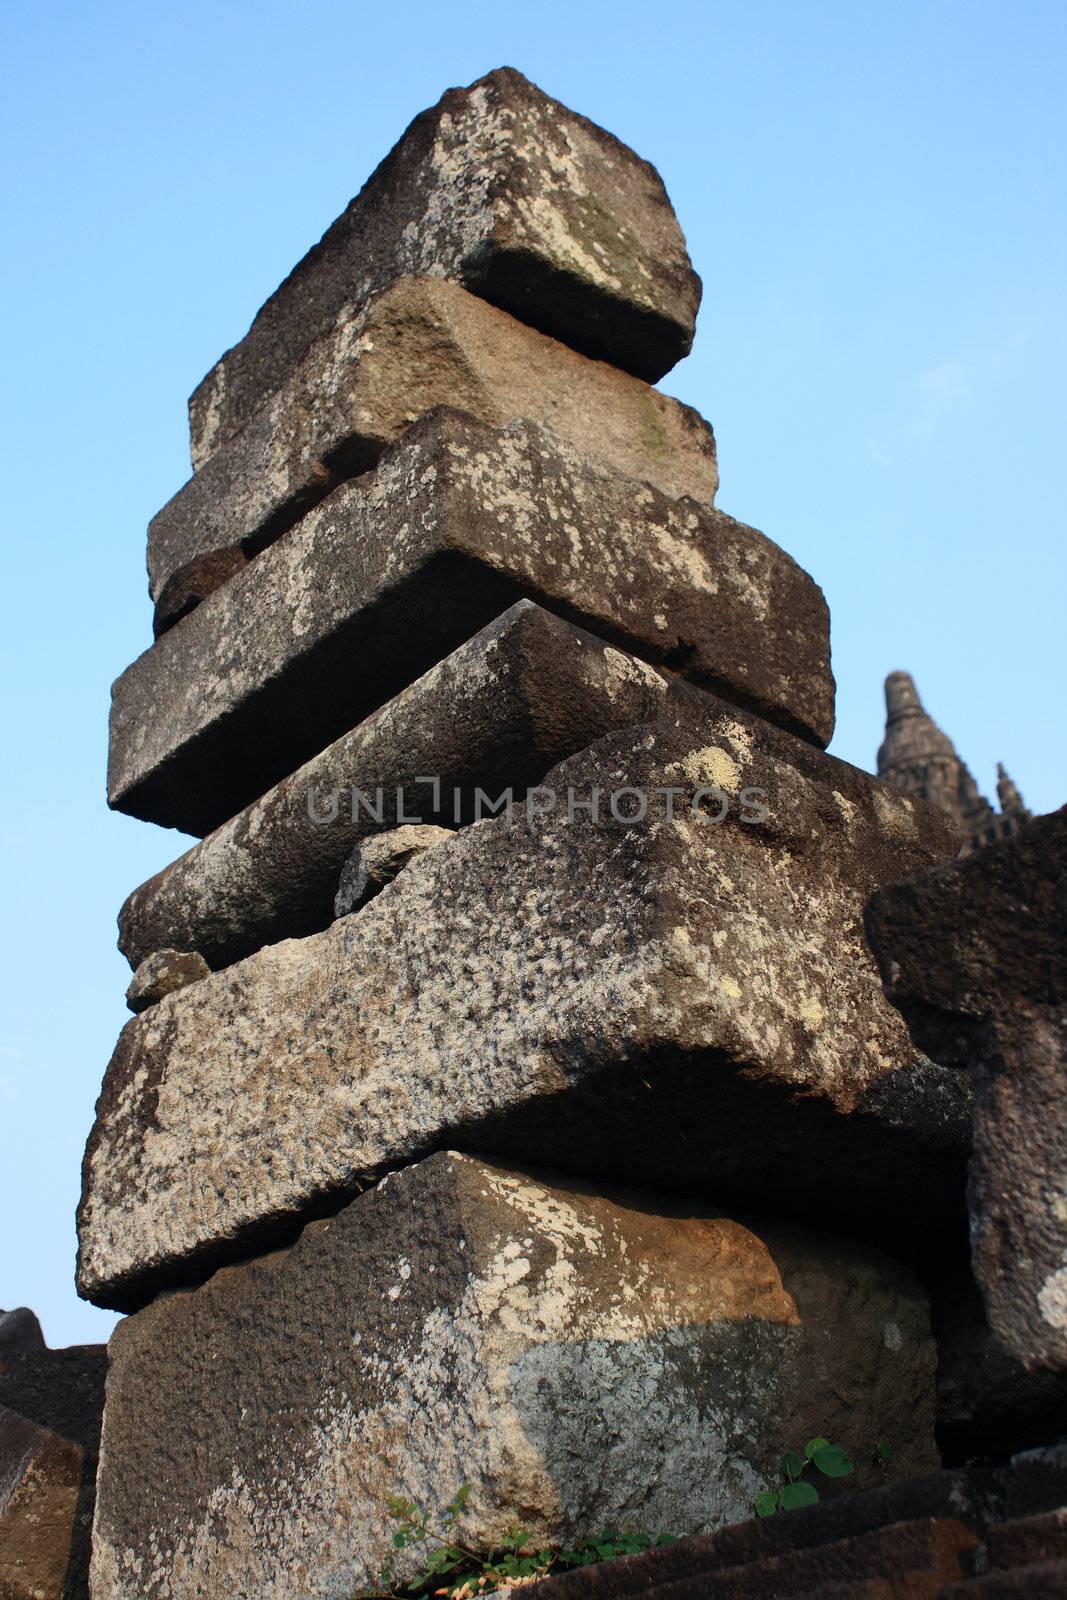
(399, 567)
(520, 200)
(671, 1001)
(496, 714)
(420, 344)
(578, 1360)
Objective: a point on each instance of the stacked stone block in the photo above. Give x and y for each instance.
(534, 1170)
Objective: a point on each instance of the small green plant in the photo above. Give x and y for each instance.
(451, 1568)
(797, 1491)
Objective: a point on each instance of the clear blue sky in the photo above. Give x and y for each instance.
(873, 197)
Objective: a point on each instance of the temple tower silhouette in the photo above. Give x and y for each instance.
(921, 759)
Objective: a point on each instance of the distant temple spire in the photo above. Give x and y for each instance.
(920, 759)
(1011, 801)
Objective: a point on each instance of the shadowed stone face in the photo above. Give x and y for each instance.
(420, 344)
(510, 194)
(671, 1001)
(578, 1360)
(974, 956)
(401, 565)
(523, 694)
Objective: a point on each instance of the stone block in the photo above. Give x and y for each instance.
(667, 1000)
(579, 1360)
(399, 567)
(164, 972)
(520, 200)
(988, 1406)
(524, 693)
(420, 344)
(975, 955)
(19, 1330)
(43, 1522)
(380, 859)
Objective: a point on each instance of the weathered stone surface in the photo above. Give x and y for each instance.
(978, 1500)
(1045, 1582)
(43, 1523)
(192, 583)
(164, 972)
(665, 1001)
(60, 1390)
(524, 693)
(517, 198)
(420, 344)
(988, 1406)
(976, 957)
(380, 859)
(19, 1330)
(579, 1360)
(1028, 1541)
(50, 1407)
(905, 1561)
(398, 568)
(962, 1500)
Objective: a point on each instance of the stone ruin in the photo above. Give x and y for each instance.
(541, 1078)
(922, 760)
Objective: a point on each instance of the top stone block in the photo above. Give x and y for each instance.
(521, 201)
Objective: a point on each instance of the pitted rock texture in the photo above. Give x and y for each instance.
(579, 1360)
(380, 859)
(420, 344)
(50, 1407)
(43, 1522)
(975, 956)
(399, 567)
(518, 199)
(61, 1390)
(192, 583)
(164, 972)
(670, 1001)
(524, 693)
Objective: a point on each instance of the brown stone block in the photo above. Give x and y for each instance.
(420, 344)
(44, 1518)
(515, 197)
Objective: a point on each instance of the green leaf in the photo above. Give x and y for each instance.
(813, 1445)
(795, 1495)
(882, 1452)
(832, 1461)
(766, 1503)
(792, 1465)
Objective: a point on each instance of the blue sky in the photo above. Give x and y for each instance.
(873, 197)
